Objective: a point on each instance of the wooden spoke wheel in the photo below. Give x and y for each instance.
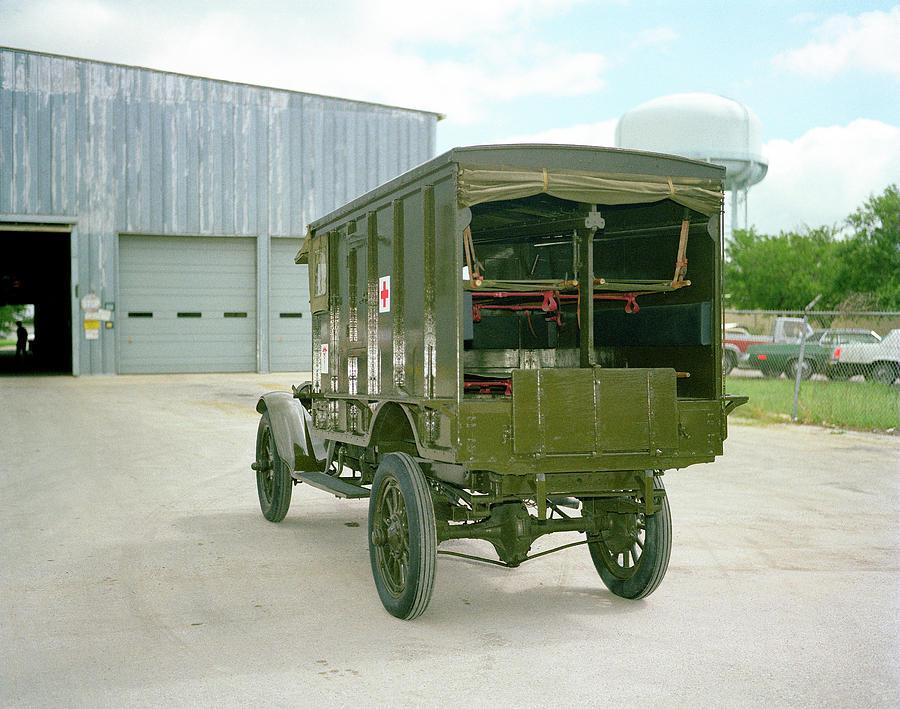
(273, 479)
(402, 536)
(632, 553)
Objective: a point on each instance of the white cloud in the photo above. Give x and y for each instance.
(458, 57)
(654, 36)
(822, 176)
(602, 133)
(869, 42)
(456, 22)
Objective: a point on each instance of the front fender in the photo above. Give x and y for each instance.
(290, 430)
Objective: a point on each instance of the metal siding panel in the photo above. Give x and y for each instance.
(340, 149)
(169, 188)
(246, 168)
(192, 167)
(134, 154)
(155, 117)
(118, 151)
(21, 203)
(73, 171)
(44, 155)
(180, 166)
(225, 146)
(217, 144)
(297, 218)
(206, 166)
(7, 118)
(279, 169)
(360, 181)
(311, 131)
(327, 145)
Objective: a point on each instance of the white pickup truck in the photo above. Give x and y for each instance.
(877, 361)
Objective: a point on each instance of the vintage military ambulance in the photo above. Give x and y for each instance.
(510, 341)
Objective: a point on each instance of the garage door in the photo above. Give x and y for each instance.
(290, 327)
(186, 304)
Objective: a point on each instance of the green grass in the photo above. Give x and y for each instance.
(6, 343)
(859, 405)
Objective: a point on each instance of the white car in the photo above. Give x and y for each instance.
(878, 361)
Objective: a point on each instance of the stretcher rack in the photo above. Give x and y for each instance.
(553, 293)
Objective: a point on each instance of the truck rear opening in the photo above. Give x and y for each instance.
(650, 303)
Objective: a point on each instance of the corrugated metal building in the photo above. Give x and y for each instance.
(152, 217)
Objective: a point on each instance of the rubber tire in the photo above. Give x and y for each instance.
(654, 559)
(729, 361)
(791, 370)
(412, 601)
(882, 372)
(274, 506)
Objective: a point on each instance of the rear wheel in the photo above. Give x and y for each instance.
(273, 479)
(402, 536)
(632, 553)
(794, 365)
(883, 372)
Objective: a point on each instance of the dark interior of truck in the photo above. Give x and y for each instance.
(654, 281)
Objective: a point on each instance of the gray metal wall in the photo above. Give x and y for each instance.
(124, 150)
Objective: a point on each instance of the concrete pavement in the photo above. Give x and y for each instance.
(138, 571)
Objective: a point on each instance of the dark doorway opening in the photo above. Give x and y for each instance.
(36, 269)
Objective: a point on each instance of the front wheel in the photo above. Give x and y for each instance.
(632, 553)
(402, 536)
(273, 479)
(729, 361)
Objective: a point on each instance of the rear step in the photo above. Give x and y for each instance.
(329, 483)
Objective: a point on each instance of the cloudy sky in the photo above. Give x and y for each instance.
(823, 76)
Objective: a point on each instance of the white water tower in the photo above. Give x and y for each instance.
(703, 127)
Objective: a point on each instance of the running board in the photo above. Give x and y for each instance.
(337, 486)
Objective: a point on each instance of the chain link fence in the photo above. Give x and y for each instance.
(845, 373)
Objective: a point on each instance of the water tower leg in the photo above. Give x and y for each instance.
(734, 211)
(746, 207)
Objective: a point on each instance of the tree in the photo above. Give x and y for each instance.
(782, 272)
(870, 256)
(9, 314)
(857, 266)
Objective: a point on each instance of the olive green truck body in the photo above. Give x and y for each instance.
(523, 330)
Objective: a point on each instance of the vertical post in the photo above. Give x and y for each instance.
(334, 309)
(373, 359)
(799, 374)
(429, 339)
(585, 239)
(398, 298)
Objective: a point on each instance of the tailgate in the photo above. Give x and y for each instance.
(578, 411)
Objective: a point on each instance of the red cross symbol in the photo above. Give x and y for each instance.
(384, 294)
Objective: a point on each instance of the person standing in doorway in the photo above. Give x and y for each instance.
(21, 339)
